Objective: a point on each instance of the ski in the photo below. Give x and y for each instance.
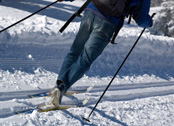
(4, 96)
(44, 107)
(71, 92)
(49, 107)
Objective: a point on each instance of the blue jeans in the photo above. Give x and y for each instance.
(93, 36)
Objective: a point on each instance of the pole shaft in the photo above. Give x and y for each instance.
(74, 15)
(116, 74)
(28, 16)
(119, 69)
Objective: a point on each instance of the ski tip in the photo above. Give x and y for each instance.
(86, 119)
(85, 101)
(90, 88)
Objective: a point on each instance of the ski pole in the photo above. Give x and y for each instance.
(74, 15)
(28, 16)
(87, 119)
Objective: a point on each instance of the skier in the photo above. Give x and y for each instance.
(96, 29)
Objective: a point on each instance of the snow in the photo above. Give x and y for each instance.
(164, 20)
(32, 52)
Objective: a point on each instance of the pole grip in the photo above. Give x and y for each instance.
(153, 15)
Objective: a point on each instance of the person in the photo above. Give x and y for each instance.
(95, 32)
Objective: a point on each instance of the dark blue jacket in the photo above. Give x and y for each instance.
(140, 14)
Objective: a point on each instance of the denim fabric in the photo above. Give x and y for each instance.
(93, 36)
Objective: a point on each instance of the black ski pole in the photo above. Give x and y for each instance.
(28, 16)
(87, 119)
(74, 15)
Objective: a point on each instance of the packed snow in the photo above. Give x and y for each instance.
(31, 54)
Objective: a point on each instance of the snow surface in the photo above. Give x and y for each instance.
(31, 54)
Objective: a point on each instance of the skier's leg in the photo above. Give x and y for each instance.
(98, 40)
(72, 56)
(78, 44)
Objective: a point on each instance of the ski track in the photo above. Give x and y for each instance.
(117, 93)
(4, 96)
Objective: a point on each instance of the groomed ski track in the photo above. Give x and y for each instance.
(121, 92)
(159, 88)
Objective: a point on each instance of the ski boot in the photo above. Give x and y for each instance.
(57, 93)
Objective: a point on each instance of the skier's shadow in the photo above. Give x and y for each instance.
(61, 11)
(113, 119)
(78, 118)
